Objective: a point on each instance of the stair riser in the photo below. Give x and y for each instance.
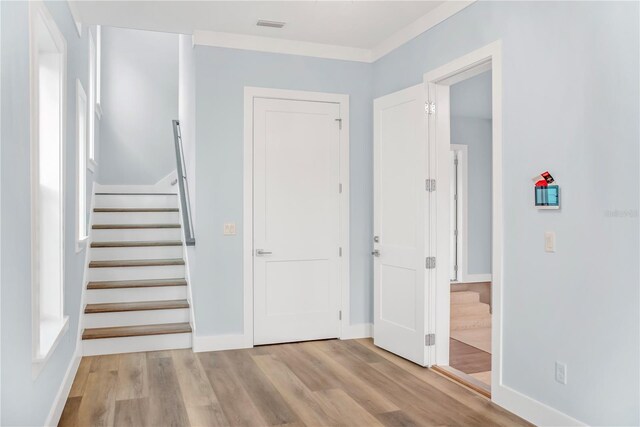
(469, 309)
(467, 323)
(136, 273)
(115, 188)
(135, 344)
(136, 218)
(136, 201)
(145, 234)
(163, 293)
(464, 298)
(146, 252)
(131, 318)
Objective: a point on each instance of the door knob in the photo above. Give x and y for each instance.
(261, 252)
(375, 252)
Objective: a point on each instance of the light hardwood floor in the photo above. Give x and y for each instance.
(320, 383)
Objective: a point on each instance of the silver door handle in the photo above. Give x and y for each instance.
(261, 252)
(375, 252)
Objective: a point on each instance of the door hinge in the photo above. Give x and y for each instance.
(340, 251)
(430, 185)
(430, 107)
(429, 340)
(340, 188)
(339, 314)
(339, 123)
(430, 262)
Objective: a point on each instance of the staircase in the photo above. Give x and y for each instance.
(467, 312)
(137, 295)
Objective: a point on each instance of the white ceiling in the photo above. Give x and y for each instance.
(359, 24)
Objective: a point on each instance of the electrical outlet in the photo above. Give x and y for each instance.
(549, 241)
(229, 228)
(561, 372)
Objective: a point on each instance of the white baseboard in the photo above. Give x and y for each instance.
(219, 342)
(530, 409)
(360, 330)
(63, 392)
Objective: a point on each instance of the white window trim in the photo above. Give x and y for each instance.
(98, 71)
(81, 164)
(93, 113)
(37, 10)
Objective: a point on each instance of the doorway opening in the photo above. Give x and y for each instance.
(470, 227)
(466, 155)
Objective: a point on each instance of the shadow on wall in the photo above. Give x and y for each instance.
(139, 99)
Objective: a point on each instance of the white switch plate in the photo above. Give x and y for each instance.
(229, 228)
(549, 241)
(561, 372)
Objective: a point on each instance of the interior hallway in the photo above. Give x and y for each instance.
(312, 383)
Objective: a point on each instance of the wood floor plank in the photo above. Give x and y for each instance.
(238, 407)
(269, 402)
(340, 406)
(366, 396)
(79, 382)
(133, 382)
(468, 359)
(299, 397)
(98, 408)
(69, 417)
(311, 370)
(200, 400)
(166, 406)
(356, 384)
(132, 413)
(471, 400)
(396, 419)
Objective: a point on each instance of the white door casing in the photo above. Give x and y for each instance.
(401, 223)
(296, 220)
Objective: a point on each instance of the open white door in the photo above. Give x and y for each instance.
(400, 223)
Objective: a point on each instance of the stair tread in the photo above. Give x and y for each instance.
(146, 283)
(113, 307)
(134, 244)
(135, 210)
(135, 331)
(136, 263)
(132, 226)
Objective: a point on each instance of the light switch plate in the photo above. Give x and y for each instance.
(549, 241)
(561, 372)
(229, 228)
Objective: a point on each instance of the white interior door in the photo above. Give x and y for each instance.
(296, 220)
(400, 223)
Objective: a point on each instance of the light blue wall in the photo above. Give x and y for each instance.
(221, 75)
(139, 101)
(26, 401)
(471, 126)
(570, 106)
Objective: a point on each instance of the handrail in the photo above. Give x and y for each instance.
(183, 187)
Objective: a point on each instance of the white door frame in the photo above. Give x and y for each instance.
(438, 82)
(250, 93)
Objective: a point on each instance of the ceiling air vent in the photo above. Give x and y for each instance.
(272, 24)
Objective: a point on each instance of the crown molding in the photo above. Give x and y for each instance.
(319, 50)
(422, 24)
(286, 46)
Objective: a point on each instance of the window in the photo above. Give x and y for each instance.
(81, 173)
(92, 102)
(48, 58)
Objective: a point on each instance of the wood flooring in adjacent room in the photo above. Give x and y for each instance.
(320, 383)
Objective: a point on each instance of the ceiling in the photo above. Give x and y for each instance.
(360, 24)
